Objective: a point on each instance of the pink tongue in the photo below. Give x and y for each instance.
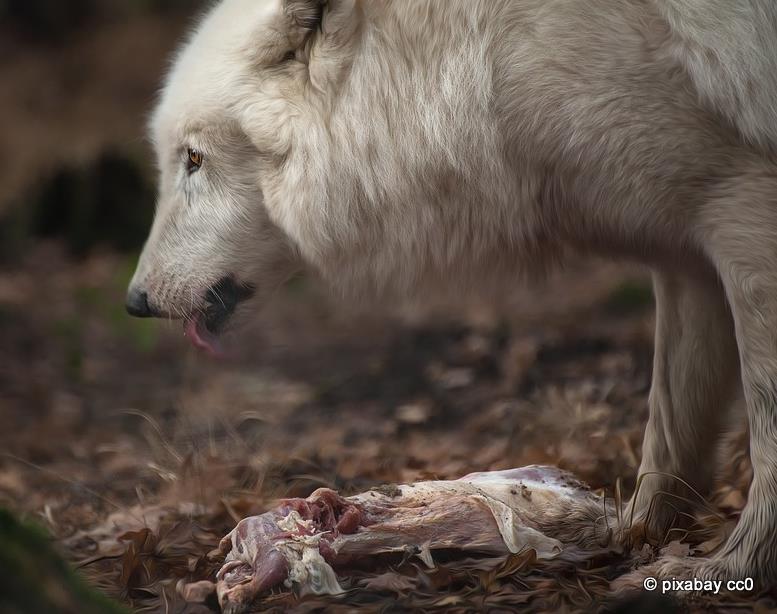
(202, 338)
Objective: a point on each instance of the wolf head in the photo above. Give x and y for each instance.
(354, 137)
(223, 132)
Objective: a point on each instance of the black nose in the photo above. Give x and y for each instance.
(137, 304)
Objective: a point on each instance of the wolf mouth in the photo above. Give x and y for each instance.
(222, 299)
(204, 326)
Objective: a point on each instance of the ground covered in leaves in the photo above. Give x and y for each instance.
(138, 455)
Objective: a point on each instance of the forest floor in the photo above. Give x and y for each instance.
(138, 455)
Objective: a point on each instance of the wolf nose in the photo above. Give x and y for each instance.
(137, 304)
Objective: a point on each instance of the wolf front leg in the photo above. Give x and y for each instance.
(695, 370)
(739, 232)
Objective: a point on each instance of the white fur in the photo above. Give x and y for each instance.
(415, 142)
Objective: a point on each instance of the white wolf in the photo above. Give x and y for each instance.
(392, 144)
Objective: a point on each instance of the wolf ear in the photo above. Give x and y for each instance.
(305, 14)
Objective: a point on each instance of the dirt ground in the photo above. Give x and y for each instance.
(138, 455)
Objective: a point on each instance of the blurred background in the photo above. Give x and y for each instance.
(113, 426)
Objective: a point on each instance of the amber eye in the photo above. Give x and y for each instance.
(193, 161)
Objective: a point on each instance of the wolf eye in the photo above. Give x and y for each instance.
(193, 160)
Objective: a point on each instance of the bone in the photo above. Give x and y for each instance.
(302, 542)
